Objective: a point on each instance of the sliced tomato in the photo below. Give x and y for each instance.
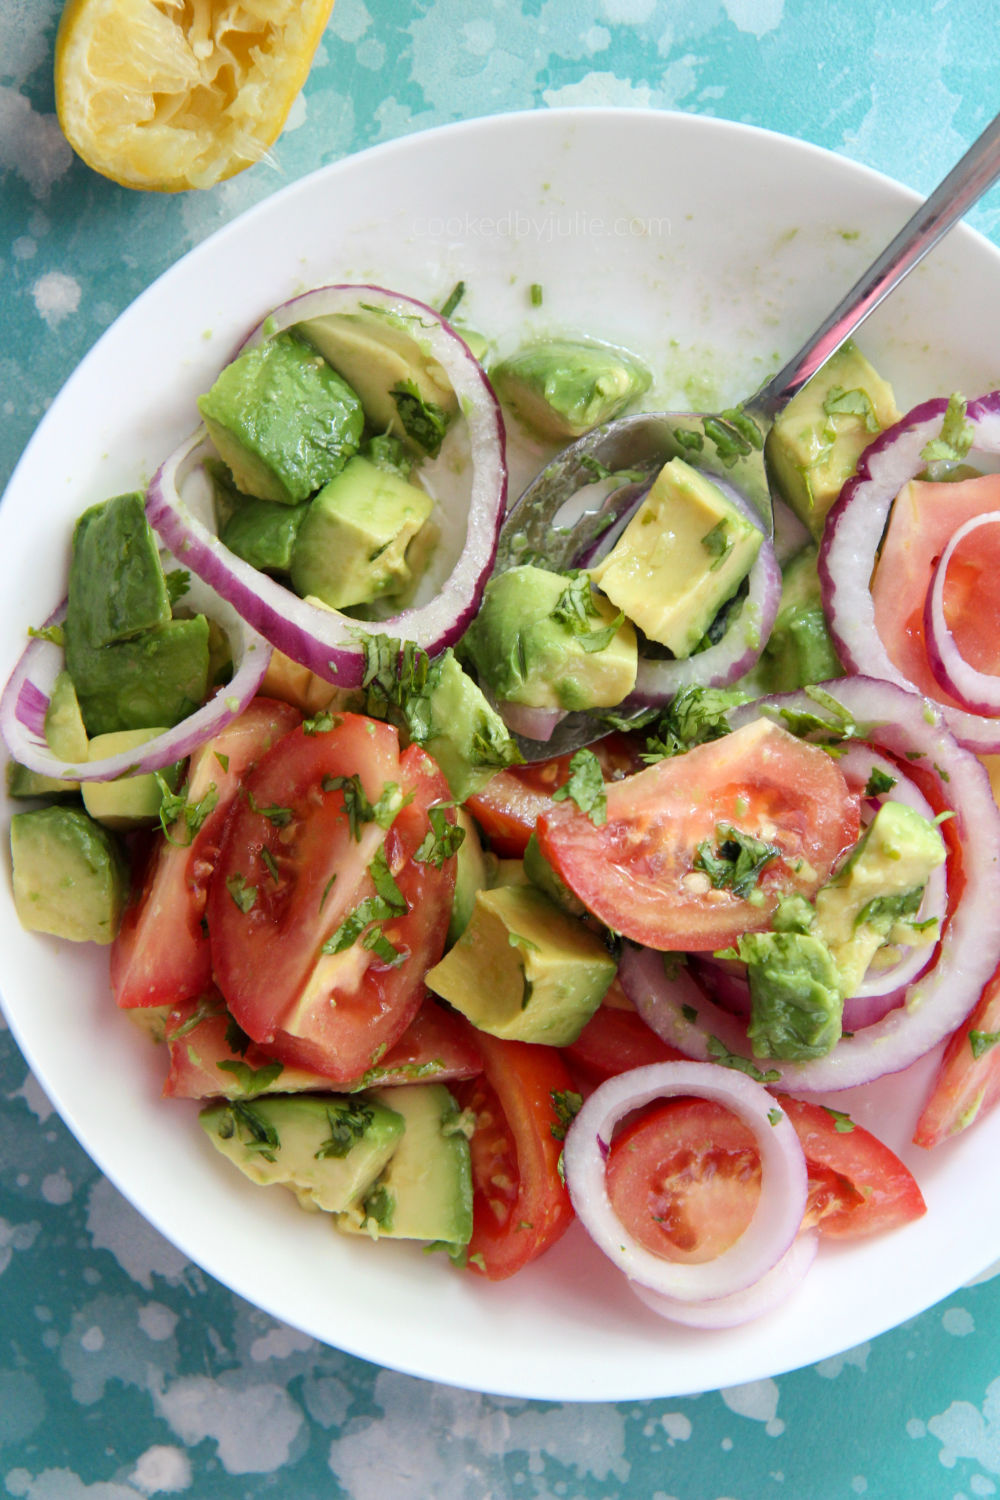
(204, 1041)
(161, 954)
(297, 862)
(512, 801)
(923, 519)
(967, 1085)
(615, 1040)
(641, 871)
(684, 1177)
(520, 1202)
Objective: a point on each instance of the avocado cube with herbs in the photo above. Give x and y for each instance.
(327, 1149)
(129, 801)
(351, 546)
(523, 969)
(70, 875)
(156, 678)
(425, 1190)
(799, 649)
(561, 388)
(460, 728)
(814, 446)
(683, 554)
(116, 583)
(547, 640)
(795, 995)
(282, 420)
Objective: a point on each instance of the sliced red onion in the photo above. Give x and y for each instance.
(979, 692)
(852, 536)
(26, 697)
(909, 727)
(784, 1179)
(533, 723)
(321, 639)
(773, 1288)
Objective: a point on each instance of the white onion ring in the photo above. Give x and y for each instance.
(784, 1178)
(26, 697)
(979, 692)
(969, 950)
(532, 723)
(773, 1288)
(851, 540)
(324, 640)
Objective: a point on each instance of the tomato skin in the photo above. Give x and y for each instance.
(520, 1202)
(615, 1040)
(636, 871)
(161, 954)
(333, 1013)
(966, 1087)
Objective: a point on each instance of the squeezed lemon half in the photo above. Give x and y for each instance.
(174, 94)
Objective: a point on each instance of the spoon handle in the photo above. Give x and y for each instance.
(963, 186)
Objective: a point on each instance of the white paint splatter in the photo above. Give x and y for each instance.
(600, 88)
(280, 1342)
(980, 1485)
(92, 1340)
(757, 17)
(596, 39)
(677, 1426)
(958, 1322)
(31, 144)
(964, 1432)
(113, 1224)
(628, 12)
(56, 295)
(350, 22)
(24, 36)
(57, 1188)
(63, 1484)
(35, 1097)
(162, 1470)
(831, 1368)
(252, 1426)
(157, 1322)
(15, 1237)
(480, 37)
(758, 1399)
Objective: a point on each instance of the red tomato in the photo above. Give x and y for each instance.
(639, 870)
(511, 803)
(296, 864)
(967, 1086)
(161, 954)
(615, 1040)
(520, 1202)
(684, 1177)
(923, 520)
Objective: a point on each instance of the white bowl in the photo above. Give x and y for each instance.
(711, 249)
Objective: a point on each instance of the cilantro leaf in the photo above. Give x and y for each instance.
(423, 421)
(956, 434)
(853, 403)
(737, 861)
(443, 840)
(585, 787)
(348, 1124)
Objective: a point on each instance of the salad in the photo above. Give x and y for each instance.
(448, 996)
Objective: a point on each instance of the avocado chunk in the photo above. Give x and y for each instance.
(263, 532)
(814, 446)
(523, 969)
(66, 738)
(71, 876)
(23, 784)
(796, 999)
(396, 378)
(159, 677)
(351, 546)
(472, 874)
(425, 1190)
(282, 420)
(799, 649)
(458, 726)
(561, 388)
(683, 554)
(548, 641)
(543, 875)
(129, 801)
(325, 1148)
(116, 579)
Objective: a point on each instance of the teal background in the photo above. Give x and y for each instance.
(124, 1371)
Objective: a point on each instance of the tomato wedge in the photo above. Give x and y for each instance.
(967, 1085)
(615, 1040)
(643, 871)
(520, 1202)
(322, 921)
(161, 954)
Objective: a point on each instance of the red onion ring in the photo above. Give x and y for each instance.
(324, 640)
(773, 1288)
(26, 697)
(977, 691)
(942, 996)
(784, 1180)
(852, 536)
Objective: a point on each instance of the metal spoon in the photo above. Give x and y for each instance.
(730, 445)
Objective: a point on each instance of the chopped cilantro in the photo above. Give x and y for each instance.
(270, 863)
(730, 442)
(453, 298)
(567, 1105)
(241, 891)
(254, 1132)
(841, 1122)
(737, 861)
(852, 403)
(51, 633)
(279, 816)
(956, 436)
(320, 723)
(251, 1081)
(717, 544)
(575, 608)
(423, 421)
(720, 1053)
(202, 1011)
(348, 1124)
(178, 581)
(694, 716)
(775, 1116)
(357, 806)
(879, 782)
(745, 426)
(982, 1041)
(443, 839)
(535, 293)
(387, 902)
(585, 786)
(175, 807)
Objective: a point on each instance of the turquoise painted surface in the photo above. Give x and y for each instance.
(124, 1372)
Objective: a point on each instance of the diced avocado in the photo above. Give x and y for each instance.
(388, 452)
(116, 583)
(23, 784)
(561, 388)
(129, 801)
(327, 1149)
(64, 728)
(799, 649)
(472, 874)
(159, 677)
(547, 879)
(875, 896)
(477, 342)
(795, 993)
(70, 875)
(425, 1191)
(263, 533)
(351, 546)
(814, 446)
(460, 728)
(282, 420)
(548, 641)
(384, 361)
(523, 969)
(683, 554)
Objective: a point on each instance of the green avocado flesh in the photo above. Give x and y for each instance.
(70, 874)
